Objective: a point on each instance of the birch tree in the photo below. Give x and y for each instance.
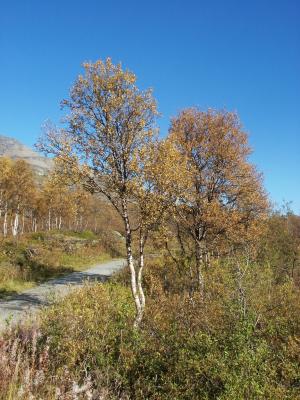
(21, 193)
(109, 121)
(224, 198)
(5, 185)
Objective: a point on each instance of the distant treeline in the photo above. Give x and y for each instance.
(27, 205)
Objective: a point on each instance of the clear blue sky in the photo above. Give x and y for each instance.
(234, 54)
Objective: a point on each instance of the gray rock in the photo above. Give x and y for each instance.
(12, 148)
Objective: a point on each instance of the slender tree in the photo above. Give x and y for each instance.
(21, 193)
(5, 189)
(109, 121)
(156, 190)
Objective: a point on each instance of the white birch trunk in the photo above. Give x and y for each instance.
(140, 275)
(32, 222)
(5, 224)
(49, 220)
(15, 226)
(199, 264)
(35, 225)
(133, 278)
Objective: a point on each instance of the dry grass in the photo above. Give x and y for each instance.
(38, 257)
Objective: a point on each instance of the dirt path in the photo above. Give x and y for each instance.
(29, 301)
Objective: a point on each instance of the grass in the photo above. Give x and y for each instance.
(14, 286)
(81, 262)
(39, 257)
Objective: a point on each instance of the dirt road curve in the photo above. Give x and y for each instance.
(29, 301)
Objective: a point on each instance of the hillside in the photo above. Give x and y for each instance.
(10, 147)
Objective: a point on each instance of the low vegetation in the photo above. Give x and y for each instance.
(239, 341)
(36, 257)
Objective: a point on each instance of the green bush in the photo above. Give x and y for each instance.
(89, 329)
(187, 348)
(239, 340)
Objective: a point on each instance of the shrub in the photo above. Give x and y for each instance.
(238, 341)
(87, 331)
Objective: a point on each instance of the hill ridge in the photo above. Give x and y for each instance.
(14, 149)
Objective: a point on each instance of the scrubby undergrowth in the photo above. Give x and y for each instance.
(238, 341)
(36, 257)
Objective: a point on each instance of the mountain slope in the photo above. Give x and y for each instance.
(12, 148)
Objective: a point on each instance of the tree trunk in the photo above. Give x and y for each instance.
(35, 225)
(207, 260)
(140, 275)
(15, 226)
(32, 222)
(133, 280)
(49, 220)
(5, 223)
(199, 264)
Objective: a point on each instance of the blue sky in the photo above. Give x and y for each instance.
(233, 54)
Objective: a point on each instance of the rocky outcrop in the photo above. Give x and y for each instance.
(12, 148)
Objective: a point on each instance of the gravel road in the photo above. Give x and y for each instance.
(26, 303)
